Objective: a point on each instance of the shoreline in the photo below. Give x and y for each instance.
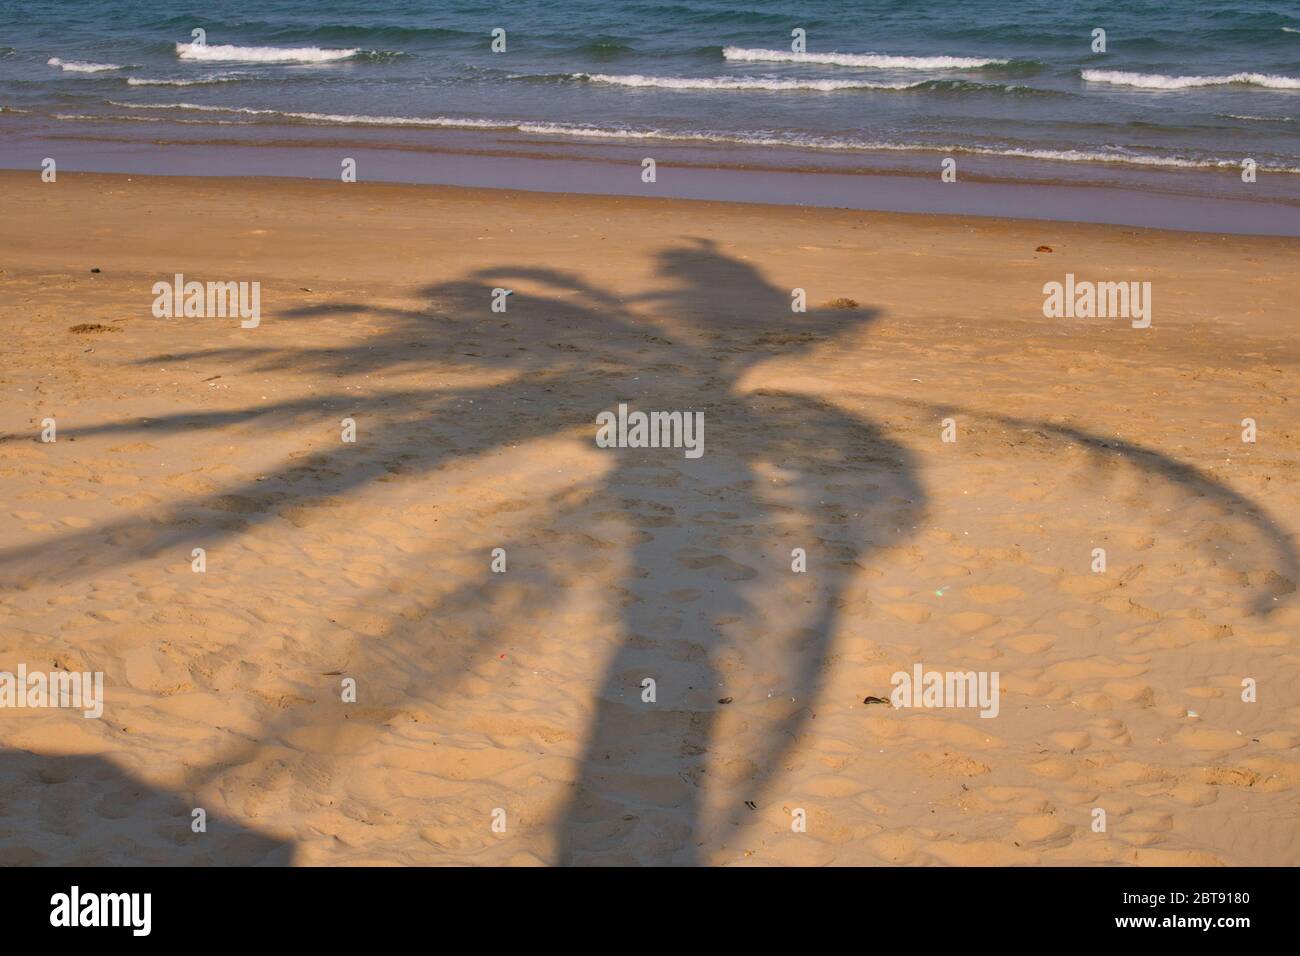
(903, 218)
(682, 175)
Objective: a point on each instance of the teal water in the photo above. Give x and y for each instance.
(1185, 91)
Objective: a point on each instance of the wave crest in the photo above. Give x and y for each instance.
(76, 66)
(875, 60)
(261, 54)
(788, 84)
(737, 83)
(200, 81)
(1158, 81)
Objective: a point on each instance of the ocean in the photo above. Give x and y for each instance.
(882, 90)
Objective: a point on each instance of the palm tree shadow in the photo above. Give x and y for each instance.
(698, 522)
(79, 810)
(708, 627)
(716, 611)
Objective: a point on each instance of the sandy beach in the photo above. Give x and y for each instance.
(501, 716)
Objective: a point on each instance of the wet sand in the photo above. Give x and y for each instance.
(1113, 193)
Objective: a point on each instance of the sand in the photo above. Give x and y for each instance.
(500, 716)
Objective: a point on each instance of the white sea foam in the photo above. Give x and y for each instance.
(342, 119)
(187, 106)
(739, 138)
(261, 54)
(875, 60)
(93, 118)
(739, 83)
(75, 66)
(1259, 119)
(200, 81)
(113, 117)
(1158, 81)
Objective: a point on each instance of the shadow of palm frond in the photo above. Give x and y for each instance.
(420, 658)
(82, 810)
(711, 610)
(1251, 538)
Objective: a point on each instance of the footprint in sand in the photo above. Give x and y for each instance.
(1042, 830)
(1207, 738)
(1030, 643)
(1145, 829)
(1080, 620)
(992, 593)
(1137, 692)
(1112, 730)
(731, 570)
(968, 622)
(911, 613)
(1081, 585)
(1071, 740)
